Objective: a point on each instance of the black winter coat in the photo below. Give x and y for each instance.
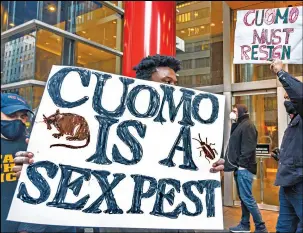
(241, 150)
(290, 170)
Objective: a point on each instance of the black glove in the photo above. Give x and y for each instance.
(275, 153)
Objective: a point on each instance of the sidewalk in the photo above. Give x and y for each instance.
(232, 216)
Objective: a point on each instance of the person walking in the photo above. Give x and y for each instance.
(240, 158)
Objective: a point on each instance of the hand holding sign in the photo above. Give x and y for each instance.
(276, 65)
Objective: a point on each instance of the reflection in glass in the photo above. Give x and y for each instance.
(18, 58)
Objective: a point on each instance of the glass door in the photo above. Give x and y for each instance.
(263, 113)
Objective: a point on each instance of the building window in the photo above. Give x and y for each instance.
(9, 53)
(202, 62)
(186, 64)
(201, 46)
(21, 50)
(90, 57)
(203, 37)
(25, 48)
(189, 48)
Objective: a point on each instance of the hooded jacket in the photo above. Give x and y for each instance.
(241, 150)
(290, 169)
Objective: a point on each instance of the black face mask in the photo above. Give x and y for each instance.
(289, 106)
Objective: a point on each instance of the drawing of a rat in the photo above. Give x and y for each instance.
(68, 124)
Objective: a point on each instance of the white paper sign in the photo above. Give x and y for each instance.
(269, 33)
(137, 165)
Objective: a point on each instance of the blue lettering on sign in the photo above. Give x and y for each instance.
(155, 187)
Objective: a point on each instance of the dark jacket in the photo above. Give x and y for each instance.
(241, 150)
(290, 170)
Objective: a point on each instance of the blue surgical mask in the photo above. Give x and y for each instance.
(12, 130)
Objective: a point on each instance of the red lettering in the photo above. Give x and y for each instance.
(268, 40)
(261, 40)
(264, 52)
(274, 36)
(293, 15)
(276, 54)
(244, 52)
(270, 16)
(287, 31)
(245, 18)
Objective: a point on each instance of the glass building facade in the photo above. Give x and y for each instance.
(38, 34)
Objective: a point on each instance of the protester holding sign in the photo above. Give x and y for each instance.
(290, 170)
(156, 68)
(189, 140)
(14, 115)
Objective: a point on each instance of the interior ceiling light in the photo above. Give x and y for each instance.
(212, 24)
(12, 24)
(51, 8)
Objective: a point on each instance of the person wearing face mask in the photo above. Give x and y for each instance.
(14, 114)
(240, 158)
(290, 155)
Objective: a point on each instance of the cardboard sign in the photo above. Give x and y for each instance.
(269, 33)
(113, 151)
(262, 149)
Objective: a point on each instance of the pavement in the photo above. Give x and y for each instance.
(232, 216)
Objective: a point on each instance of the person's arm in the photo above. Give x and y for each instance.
(292, 86)
(248, 145)
(294, 89)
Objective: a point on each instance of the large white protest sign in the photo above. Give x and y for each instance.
(113, 151)
(269, 33)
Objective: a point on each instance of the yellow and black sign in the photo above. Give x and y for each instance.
(7, 164)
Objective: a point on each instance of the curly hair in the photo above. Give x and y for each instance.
(148, 65)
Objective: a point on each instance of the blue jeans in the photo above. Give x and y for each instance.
(244, 180)
(291, 209)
